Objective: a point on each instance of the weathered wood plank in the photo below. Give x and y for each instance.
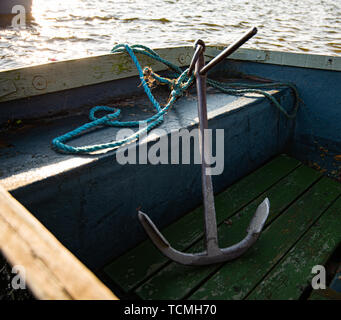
(52, 272)
(58, 76)
(144, 260)
(294, 59)
(235, 280)
(288, 280)
(177, 281)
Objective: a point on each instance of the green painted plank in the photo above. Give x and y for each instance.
(237, 279)
(144, 260)
(288, 280)
(176, 281)
(327, 294)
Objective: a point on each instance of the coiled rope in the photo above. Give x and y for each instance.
(178, 85)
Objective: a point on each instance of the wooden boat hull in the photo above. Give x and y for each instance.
(90, 202)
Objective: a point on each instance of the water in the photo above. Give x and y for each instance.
(77, 28)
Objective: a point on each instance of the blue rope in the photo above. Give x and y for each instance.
(178, 86)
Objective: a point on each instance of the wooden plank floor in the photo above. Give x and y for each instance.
(302, 230)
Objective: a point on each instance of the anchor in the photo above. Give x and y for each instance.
(212, 254)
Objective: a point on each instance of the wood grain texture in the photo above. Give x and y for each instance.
(293, 275)
(237, 279)
(293, 59)
(52, 272)
(57, 76)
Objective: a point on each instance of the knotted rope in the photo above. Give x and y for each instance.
(178, 85)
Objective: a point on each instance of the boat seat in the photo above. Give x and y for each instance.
(87, 200)
(27, 157)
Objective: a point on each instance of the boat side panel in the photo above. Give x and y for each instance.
(46, 78)
(92, 209)
(67, 101)
(318, 124)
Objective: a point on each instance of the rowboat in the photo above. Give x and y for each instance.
(72, 217)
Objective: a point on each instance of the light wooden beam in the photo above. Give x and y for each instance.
(52, 272)
(57, 76)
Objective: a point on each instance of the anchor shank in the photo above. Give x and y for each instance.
(207, 188)
(212, 254)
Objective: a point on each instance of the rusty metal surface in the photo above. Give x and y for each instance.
(213, 253)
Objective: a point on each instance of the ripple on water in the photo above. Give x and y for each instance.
(89, 27)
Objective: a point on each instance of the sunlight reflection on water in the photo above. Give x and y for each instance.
(77, 28)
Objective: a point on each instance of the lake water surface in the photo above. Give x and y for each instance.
(64, 29)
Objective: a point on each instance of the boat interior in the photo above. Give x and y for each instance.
(90, 202)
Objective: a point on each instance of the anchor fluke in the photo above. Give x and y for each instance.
(203, 258)
(259, 218)
(153, 232)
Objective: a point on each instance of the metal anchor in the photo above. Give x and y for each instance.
(212, 254)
